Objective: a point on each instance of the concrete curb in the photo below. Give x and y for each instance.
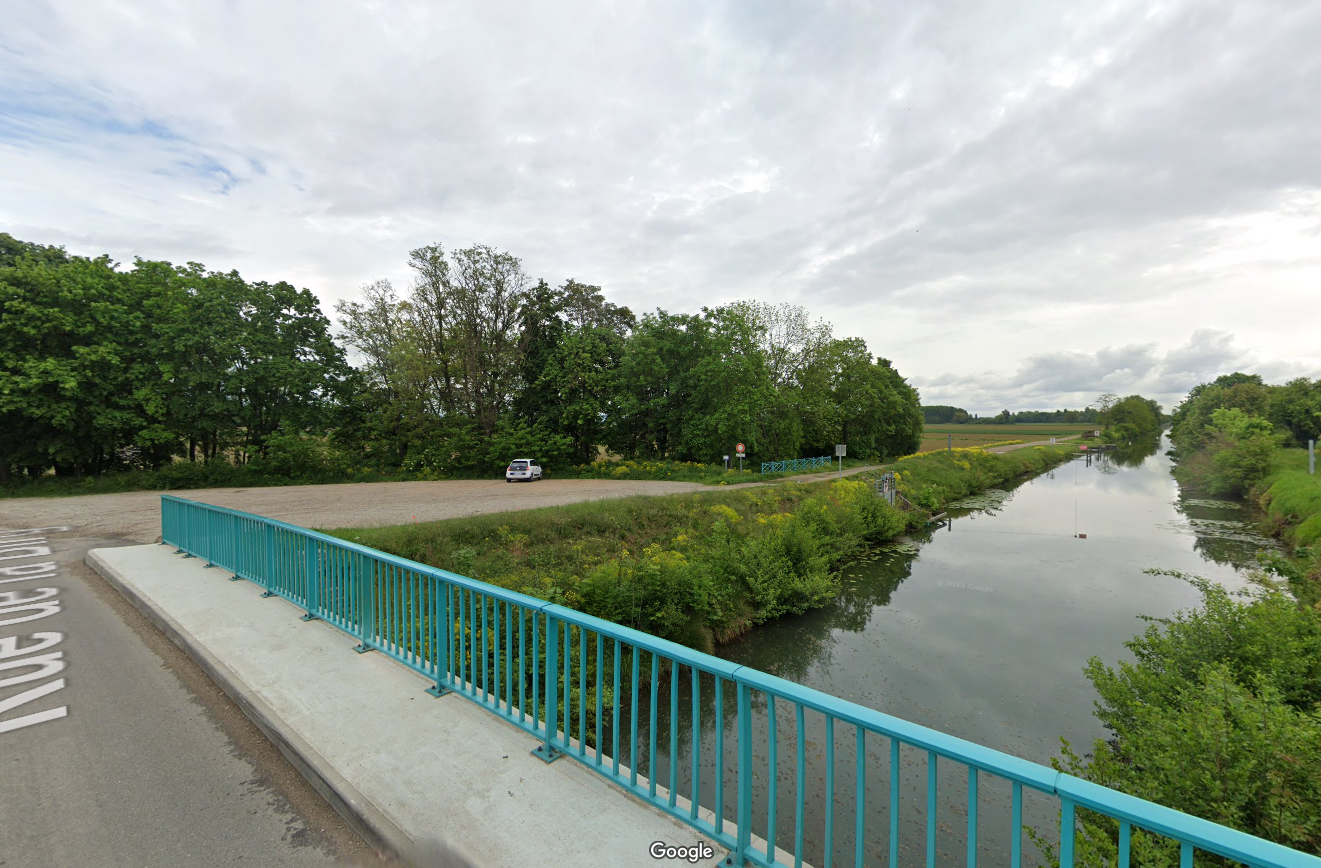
(365, 818)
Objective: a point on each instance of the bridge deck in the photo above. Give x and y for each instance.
(404, 767)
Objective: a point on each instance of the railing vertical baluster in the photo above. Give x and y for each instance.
(1016, 818)
(1125, 842)
(894, 802)
(582, 692)
(440, 634)
(485, 635)
(931, 809)
(475, 635)
(674, 732)
(509, 659)
(552, 674)
(614, 725)
(696, 745)
(1185, 854)
(972, 817)
(266, 580)
(744, 698)
(311, 569)
(496, 653)
(720, 755)
(633, 725)
(1067, 832)
(800, 785)
(830, 791)
(600, 700)
(860, 817)
(651, 728)
(568, 683)
(773, 775)
(536, 681)
(415, 616)
(522, 666)
(463, 639)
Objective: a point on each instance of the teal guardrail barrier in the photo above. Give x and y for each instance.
(557, 674)
(793, 465)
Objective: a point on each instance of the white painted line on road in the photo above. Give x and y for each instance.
(20, 606)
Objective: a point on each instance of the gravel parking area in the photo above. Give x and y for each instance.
(135, 515)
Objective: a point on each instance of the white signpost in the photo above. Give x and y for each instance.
(741, 451)
(840, 449)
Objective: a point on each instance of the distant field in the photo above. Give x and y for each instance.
(937, 436)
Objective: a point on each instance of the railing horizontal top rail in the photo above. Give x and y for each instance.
(390, 610)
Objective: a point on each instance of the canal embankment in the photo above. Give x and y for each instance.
(702, 568)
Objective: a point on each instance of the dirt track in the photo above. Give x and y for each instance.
(135, 515)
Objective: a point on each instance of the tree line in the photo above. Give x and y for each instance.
(104, 368)
(943, 414)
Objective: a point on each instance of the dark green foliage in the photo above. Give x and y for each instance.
(104, 370)
(1129, 419)
(1296, 407)
(1191, 423)
(941, 414)
(1237, 451)
(1218, 716)
(107, 370)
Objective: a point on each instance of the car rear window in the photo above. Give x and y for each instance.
(519, 465)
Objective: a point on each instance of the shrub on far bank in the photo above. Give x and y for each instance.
(1237, 452)
(1218, 716)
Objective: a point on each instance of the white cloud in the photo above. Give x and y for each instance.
(1028, 185)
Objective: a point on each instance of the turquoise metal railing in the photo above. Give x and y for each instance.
(795, 464)
(598, 692)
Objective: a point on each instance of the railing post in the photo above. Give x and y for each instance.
(365, 580)
(312, 569)
(744, 839)
(547, 750)
(440, 634)
(269, 578)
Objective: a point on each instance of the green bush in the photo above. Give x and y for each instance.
(1237, 452)
(1218, 716)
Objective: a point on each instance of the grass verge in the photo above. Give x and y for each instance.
(698, 568)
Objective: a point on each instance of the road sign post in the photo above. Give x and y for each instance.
(840, 450)
(740, 450)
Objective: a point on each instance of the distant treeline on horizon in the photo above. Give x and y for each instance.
(940, 414)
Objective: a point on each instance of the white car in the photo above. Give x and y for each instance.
(523, 470)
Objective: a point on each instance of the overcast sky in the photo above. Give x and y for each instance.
(1021, 204)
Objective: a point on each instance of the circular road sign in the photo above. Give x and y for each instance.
(739, 449)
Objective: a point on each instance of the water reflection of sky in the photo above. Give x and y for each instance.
(985, 631)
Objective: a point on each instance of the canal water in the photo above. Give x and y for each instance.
(980, 628)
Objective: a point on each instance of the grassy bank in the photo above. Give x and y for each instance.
(688, 471)
(1292, 498)
(698, 568)
(1291, 501)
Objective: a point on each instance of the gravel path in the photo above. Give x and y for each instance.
(135, 515)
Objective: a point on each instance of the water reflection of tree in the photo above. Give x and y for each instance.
(799, 643)
(1127, 456)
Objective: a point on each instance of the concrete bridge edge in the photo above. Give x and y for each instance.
(365, 818)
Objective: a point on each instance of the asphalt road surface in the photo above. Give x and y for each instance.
(131, 756)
